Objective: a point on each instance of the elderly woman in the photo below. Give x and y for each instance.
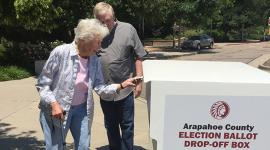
(66, 83)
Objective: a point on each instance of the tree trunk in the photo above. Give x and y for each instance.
(242, 32)
(143, 26)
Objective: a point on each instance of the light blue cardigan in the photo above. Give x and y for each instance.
(56, 81)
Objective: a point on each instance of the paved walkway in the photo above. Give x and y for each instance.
(19, 125)
(265, 65)
(20, 128)
(166, 52)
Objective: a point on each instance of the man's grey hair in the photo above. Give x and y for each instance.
(101, 8)
(89, 29)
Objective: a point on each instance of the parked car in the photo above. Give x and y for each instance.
(198, 42)
(265, 38)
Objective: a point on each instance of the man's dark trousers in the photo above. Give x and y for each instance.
(119, 114)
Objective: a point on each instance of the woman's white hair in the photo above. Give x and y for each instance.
(89, 29)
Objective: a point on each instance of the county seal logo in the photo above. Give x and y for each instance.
(220, 110)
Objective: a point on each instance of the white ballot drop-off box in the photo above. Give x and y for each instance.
(203, 105)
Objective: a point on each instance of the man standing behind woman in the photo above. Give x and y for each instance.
(121, 56)
(66, 83)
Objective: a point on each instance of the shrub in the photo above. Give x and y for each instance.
(218, 35)
(255, 33)
(39, 50)
(169, 37)
(192, 32)
(13, 73)
(23, 54)
(2, 51)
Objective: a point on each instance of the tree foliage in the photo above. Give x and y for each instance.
(42, 17)
(55, 19)
(37, 14)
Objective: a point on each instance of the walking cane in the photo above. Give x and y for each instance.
(62, 134)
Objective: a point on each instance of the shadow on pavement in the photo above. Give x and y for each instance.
(267, 63)
(107, 148)
(22, 141)
(207, 52)
(157, 55)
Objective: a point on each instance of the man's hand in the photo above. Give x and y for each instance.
(138, 90)
(139, 73)
(57, 111)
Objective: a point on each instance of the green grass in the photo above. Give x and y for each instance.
(13, 73)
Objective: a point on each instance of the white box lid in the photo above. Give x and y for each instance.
(203, 71)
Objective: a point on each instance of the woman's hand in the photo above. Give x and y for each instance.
(57, 111)
(127, 83)
(136, 81)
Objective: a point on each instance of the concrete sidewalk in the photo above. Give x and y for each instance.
(165, 52)
(265, 65)
(19, 113)
(20, 128)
